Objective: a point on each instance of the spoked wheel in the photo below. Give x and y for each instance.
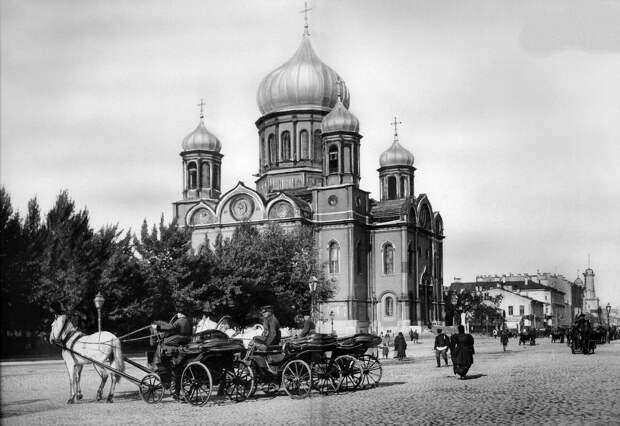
(239, 382)
(351, 372)
(371, 371)
(326, 376)
(196, 383)
(297, 379)
(151, 389)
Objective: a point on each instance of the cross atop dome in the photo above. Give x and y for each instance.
(305, 12)
(395, 123)
(202, 105)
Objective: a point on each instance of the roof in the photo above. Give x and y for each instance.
(388, 210)
(518, 285)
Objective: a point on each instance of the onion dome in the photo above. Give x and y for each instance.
(201, 139)
(340, 119)
(304, 81)
(396, 155)
(579, 281)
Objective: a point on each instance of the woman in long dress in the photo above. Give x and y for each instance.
(400, 345)
(462, 352)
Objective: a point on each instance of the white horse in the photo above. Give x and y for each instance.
(104, 347)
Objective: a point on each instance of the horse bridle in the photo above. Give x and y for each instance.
(64, 326)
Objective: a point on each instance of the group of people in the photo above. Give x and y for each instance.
(461, 346)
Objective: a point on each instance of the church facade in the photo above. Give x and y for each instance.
(385, 256)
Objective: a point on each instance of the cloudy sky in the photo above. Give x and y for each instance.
(511, 108)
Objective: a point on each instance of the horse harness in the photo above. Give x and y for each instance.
(72, 336)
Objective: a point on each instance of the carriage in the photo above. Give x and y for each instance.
(582, 340)
(359, 369)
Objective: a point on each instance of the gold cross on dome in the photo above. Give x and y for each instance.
(202, 106)
(395, 123)
(305, 12)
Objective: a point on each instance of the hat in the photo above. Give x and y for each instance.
(266, 308)
(305, 312)
(56, 308)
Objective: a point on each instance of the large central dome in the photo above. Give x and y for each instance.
(304, 81)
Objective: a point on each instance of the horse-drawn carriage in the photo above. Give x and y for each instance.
(582, 339)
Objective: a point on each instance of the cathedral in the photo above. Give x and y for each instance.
(385, 256)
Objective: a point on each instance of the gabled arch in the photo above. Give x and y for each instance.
(195, 209)
(424, 207)
(240, 189)
(438, 224)
(276, 202)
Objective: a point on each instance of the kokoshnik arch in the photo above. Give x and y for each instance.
(385, 256)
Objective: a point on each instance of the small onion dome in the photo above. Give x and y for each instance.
(304, 81)
(201, 139)
(340, 119)
(578, 281)
(396, 155)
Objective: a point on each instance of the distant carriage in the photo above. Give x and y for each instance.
(582, 338)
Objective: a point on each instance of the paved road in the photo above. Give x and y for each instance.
(544, 384)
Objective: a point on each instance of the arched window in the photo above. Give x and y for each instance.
(391, 187)
(403, 187)
(273, 149)
(286, 146)
(389, 306)
(192, 176)
(358, 255)
(334, 257)
(347, 159)
(410, 259)
(333, 159)
(425, 218)
(205, 175)
(216, 177)
(317, 148)
(305, 145)
(265, 151)
(388, 259)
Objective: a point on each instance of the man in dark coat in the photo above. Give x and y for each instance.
(462, 352)
(400, 346)
(442, 343)
(271, 334)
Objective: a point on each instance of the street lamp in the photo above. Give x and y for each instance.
(331, 316)
(608, 309)
(99, 304)
(312, 284)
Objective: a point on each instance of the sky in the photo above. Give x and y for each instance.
(511, 109)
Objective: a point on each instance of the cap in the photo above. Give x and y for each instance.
(56, 308)
(266, 308)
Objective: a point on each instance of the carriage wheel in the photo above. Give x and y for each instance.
(196, 383)
(151, 389)
(297, 379)
(326, 376)
(239, 382)
(351, 372)
(371, 371)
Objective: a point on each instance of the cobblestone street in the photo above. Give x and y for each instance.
(543, 384)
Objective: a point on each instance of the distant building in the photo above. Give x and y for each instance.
(590, 301)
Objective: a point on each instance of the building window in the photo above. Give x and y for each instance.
(391, 181)
(317, 146)
(403, 187)
(410, 259)
(273, 149)
(389, 306)
(205, 175)
(521, 310)
(358, 254)
(510, 311)
(388, 259)
(192, 176)
(305, 145)
(347, 159)
(333, 159)
(546, 309)
(419, 251)
(216, 177)
(334, 256)
(286, 146)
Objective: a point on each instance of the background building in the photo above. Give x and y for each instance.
(385, 256)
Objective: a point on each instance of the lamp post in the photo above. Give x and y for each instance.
(99, 304)
(312, 284)
(331, 316)
(608, 309)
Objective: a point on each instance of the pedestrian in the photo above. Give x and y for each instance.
(411, 334)
(400, 346)
(386, 351)
(504, 339)
(442, 343)
(462, 350)
(495, 333)
(387, 338)
(415, 336)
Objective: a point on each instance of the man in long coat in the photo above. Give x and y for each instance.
(271, 334)
(462, 352)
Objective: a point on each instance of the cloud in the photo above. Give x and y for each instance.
(589, 26)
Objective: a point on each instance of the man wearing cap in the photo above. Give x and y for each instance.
(309, 326)
(271, 334)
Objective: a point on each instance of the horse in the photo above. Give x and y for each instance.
(104, 347)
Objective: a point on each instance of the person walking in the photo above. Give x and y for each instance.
(462, 351)
(400, 346)
(386, 351)
(415, 336)
(411, 334)
(442, 343)
(495, 333)
(503, 338)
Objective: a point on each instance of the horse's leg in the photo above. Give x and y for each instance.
(78, 377)
(71, 370)
(104, 377)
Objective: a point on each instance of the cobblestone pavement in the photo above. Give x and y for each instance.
(543, 384)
